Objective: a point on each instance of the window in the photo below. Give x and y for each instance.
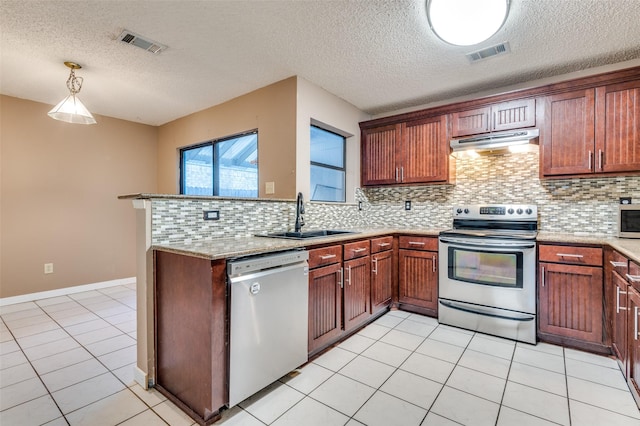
(327, 165)
(224, 167)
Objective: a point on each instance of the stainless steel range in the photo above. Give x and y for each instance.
(487, 278)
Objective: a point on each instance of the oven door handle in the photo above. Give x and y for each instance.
(488, 245)
(479, 311)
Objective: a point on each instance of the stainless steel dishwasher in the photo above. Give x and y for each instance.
(269, 319)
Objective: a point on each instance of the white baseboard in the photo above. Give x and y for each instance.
(140, 377)
(64, 291)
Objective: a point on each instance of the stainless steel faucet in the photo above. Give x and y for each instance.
(299, 212)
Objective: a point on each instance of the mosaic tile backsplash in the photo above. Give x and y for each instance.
(575, 206)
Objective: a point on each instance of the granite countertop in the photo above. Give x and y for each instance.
(225, 248)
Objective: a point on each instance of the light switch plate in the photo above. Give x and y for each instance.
(270, 187)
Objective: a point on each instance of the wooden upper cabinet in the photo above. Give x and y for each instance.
(502, 116)
(379, 155)
(568, 134)
(618, 127)
(425, 151)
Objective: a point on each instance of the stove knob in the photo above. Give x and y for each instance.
(466, 211)
(459, 211)
(510, 211)
(519, 211)
(528, 211)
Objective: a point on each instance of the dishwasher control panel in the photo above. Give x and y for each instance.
(256, 263)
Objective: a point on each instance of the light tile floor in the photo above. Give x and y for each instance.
(69, 361)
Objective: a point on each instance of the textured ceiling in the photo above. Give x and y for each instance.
(378, 55)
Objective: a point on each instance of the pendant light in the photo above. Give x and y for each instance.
(70, 109)
(466, 22)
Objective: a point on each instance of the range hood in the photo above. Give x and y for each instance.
(496, 143)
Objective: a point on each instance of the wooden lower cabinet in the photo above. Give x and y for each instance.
(618, 294)
(357, 292)
(418, 280)
(381, 280)
(633, 326)
(191, 333)
(325, 306)
(571, 303)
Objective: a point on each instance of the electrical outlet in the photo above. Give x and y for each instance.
(48, 268)
(360, 205)
(211, 214)
(407, 205)
(270, 187)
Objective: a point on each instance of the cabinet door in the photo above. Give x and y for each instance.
(618, 127)
(619, 321)
(357, 292)
(378, 161)
(471, 122)
(325, 306)
(571, 301)
(634, 339)
(567, 136)
(513, 115)
(381, 280)
(425, 151)
(418, 281)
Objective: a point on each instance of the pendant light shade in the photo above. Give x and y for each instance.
(466, 22)
(70, 109)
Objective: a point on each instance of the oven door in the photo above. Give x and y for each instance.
(487, 271)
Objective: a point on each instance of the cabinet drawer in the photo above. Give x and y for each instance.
(381, 244)
(634, 275)
(571, 254)
(357, 249)
(325, 256)
(419, 243)
(619, 263)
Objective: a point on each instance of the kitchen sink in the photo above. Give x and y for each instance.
(307, 234)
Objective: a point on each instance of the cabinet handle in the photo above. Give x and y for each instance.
(618, 264)
(327, 256)
(618, 307)
(590, 160)
(397, 174)
(375, 266)
(359, 250)
(600, 159)
(633, 278)
(577, 256)
(635, 323)
(433, 261)
(383, 244)
(341, 280)
(349, 275)
(416, 243)
(542, 275)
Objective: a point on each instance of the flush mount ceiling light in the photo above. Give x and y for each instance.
(70, 109)
(466, 22)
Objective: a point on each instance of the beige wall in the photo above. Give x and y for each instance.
(59, 188)
(315, 103)
(271, 110)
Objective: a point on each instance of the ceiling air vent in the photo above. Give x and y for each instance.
(137, 40)
(489, 52)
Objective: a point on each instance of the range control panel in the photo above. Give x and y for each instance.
(496, 211)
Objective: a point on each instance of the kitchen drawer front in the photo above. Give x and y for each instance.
(619, 263)
(325, 256)
(634, 275)
(357, 249)
(419, 243)
(381, 244)
(571, 254)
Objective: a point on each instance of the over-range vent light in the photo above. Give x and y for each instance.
(137, 40)
(489, 52)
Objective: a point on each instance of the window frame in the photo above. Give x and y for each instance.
(343, 169)
(215, 174)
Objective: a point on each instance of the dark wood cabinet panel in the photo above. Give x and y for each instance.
(633, 327)
(325, 256)
(618, 127)
(567, 136)
(357, 292)
(191, 330)
(471, 122)
(381, 244)
(356, 249)
(425, 153)
(379, 162)
(587, 256)
(510, 115)
(618, 295)
(325, 306)
(415, 242)
(571, 301)
(418, 281)
(381, 280)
